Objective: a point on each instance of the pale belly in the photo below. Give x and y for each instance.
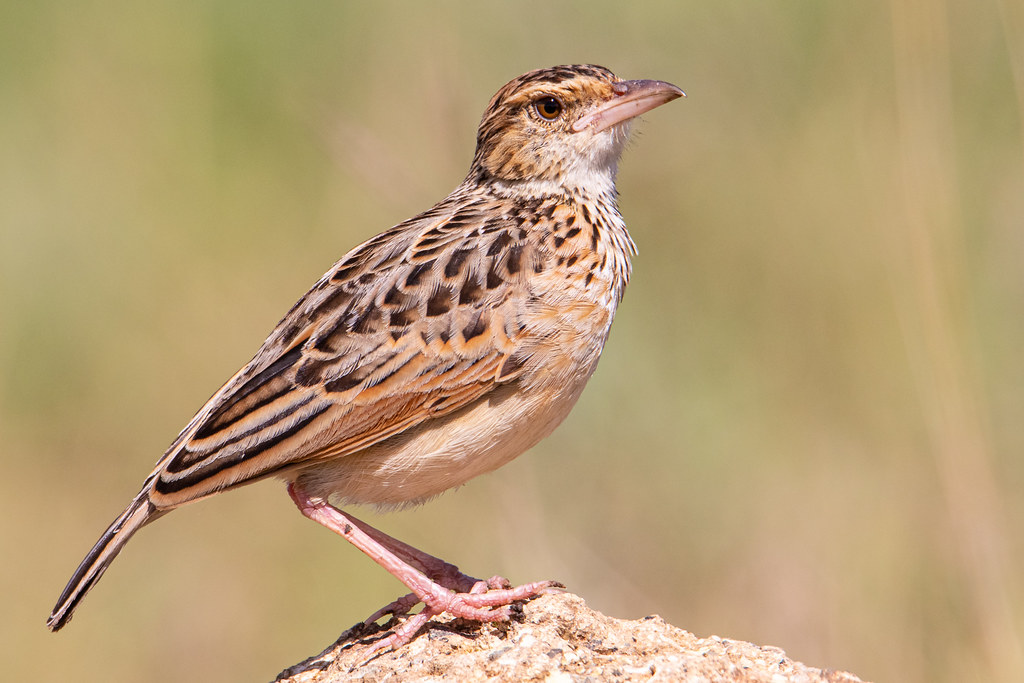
(444, 453)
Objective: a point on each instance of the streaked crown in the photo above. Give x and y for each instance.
(564, 124)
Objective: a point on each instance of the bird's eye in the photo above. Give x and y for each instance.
(548, 108)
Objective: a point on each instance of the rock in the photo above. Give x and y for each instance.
(558, 639)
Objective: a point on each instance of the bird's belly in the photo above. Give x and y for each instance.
(446, 452)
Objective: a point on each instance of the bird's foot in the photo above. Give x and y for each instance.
(439, 585)
(450, 578)
(487, 601)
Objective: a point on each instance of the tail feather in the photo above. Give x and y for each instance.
(137, 515)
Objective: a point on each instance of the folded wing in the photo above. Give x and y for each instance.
(416, 323)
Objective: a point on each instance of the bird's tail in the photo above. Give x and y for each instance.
(137, 515)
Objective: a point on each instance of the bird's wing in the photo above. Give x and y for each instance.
(413, 324)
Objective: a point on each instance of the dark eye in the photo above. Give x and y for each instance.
(548, 107)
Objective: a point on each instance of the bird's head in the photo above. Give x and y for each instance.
(562, 128)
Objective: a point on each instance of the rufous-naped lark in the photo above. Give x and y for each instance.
(434, 352)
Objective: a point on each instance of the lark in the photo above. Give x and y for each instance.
(434, 352)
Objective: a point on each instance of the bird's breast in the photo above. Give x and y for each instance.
(585, 251)
(568, 280)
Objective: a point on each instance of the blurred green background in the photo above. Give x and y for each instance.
(807, 427)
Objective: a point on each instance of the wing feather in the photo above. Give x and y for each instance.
(413, 324)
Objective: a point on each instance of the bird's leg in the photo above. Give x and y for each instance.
(481, 602)
(445, 573)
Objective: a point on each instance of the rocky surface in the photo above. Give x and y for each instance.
(558, 638)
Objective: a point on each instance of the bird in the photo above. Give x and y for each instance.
(435, 352)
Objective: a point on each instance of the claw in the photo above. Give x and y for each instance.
(399, 608)
(399, 636)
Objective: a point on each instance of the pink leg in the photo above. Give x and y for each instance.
(480, 601)
(445, 573)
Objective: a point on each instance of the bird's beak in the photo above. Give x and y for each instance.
(629, 99)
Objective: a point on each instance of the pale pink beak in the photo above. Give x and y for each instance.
(631, 98)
